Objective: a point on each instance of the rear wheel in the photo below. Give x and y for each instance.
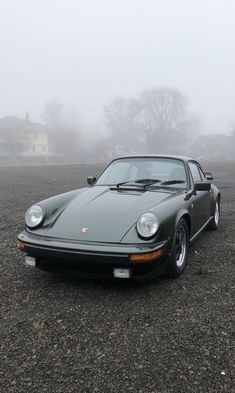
(178, 258)
(214, 222)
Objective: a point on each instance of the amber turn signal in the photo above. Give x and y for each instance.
(21, 245)
(149, 256)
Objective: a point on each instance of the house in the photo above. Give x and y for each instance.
(35, 140)
(23, 138)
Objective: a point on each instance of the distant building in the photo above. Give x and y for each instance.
(213, 146)
(23, 138)
(35, 140)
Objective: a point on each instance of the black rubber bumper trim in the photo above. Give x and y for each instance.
(94, 264)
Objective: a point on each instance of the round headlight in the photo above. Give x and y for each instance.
(34, 216)
(147, 225)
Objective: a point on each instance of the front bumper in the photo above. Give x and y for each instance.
(93, 260)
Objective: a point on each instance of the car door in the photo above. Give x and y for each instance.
(200, 203)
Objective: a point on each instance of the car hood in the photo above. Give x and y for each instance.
(107, 215)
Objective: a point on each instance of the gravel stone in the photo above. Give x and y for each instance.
(59, 333)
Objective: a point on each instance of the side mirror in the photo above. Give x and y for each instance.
(91, 180)
(198, 186)
(202, 186)
(208, 175)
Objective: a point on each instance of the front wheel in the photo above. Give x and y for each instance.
(214, 222)
(179, 252)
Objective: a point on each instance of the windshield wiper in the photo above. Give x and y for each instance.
(144, 183)
(123, 183)
(168, 182)
(141, 182)
(147, 182)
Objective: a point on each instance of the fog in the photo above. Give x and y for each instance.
(83, 54)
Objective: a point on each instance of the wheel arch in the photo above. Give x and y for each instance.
(174, 270)
(216, 196)
(186, 216)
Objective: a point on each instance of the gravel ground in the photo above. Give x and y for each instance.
(62, 334)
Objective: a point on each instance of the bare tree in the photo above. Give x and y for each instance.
(53, 113)
(164, 116)
(123, 119)
(158, 120)
(63, 134)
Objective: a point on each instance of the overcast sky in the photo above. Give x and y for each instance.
(84, 52)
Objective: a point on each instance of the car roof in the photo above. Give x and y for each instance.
(176, 157)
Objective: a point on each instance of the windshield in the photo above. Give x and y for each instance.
(164, 171)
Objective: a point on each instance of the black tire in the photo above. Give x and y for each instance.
(214, 222)
(179, 251)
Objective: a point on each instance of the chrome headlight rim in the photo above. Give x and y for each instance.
(149, 216)
(39, 221)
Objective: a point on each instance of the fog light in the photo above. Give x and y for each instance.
(121, 273)
(30, 261)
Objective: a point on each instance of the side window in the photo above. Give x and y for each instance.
(195, 172)
(202, 174)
